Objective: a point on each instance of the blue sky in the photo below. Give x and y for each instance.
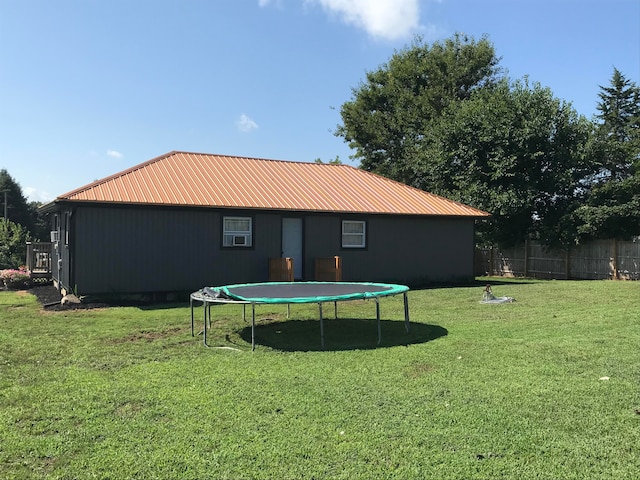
(91, 87)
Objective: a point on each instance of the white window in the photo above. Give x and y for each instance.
(236, 232)
(353, 234)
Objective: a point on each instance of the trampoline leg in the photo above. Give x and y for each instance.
(253, 326)
(191, 305)
(335, 309)
(244, 313)
(406, 312)
(378, 319)
(321, 327)
(205, 320)
(288, 310)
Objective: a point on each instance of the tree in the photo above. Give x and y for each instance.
(389, 116)
(41, 225)
(442, 119)
(515, 151)
(13, 244)
(335, 161)
(612, 209)
(619, 112)
(16, 205)
(17, 208)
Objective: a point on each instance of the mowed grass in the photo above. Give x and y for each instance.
(546, 388)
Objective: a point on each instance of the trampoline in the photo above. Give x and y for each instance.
(294, 292)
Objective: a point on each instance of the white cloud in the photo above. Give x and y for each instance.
(114, 154)
(35, 195)
(266, 3)
(246, 123)
(386, 19)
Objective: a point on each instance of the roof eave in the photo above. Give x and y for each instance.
(51, 206)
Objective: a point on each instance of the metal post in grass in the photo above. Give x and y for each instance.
(253, 327)
(406, 312)
(321, 326)
(191, 306)
(378, 319)
(204, 323)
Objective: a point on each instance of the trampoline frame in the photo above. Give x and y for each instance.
(207, 301)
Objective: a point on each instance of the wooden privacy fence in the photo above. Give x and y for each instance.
(599, 259)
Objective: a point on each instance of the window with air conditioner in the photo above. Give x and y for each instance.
(55, 232)
(237, 232)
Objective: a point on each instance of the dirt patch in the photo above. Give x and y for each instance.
(49, 297)
(147, 336)
(46, 294)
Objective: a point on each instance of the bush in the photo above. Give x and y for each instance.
(16, 279)
(13, 244)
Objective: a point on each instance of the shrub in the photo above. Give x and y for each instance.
(13, 244)
(16, 279)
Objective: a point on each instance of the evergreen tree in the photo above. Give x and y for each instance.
(18, 210)
(619, 130)
(16, 206)
(613, 205)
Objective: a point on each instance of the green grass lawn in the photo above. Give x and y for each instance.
(546, 388)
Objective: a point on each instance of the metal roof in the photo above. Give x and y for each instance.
(206, 180)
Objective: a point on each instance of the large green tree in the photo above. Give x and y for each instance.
(389, 115)
(19, 210)
(515, 151)
(613, 206)
(16, 206)
(443, 119)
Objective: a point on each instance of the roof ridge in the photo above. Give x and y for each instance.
(245, 157)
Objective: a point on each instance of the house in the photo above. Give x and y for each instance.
(183, 220)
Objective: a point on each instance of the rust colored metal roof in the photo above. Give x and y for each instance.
(204, 180)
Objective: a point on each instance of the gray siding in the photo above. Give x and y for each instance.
(137, 250)
(150, 249)
(408, 250)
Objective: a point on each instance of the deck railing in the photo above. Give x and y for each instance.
(39, 259)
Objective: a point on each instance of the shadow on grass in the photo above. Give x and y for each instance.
(340, 334)
(476, 283)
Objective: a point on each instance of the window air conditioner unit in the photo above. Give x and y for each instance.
(239, 240)
(55, 236)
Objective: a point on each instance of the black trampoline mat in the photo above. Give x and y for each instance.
(310, 290)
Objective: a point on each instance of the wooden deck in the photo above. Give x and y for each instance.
(39, 260)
